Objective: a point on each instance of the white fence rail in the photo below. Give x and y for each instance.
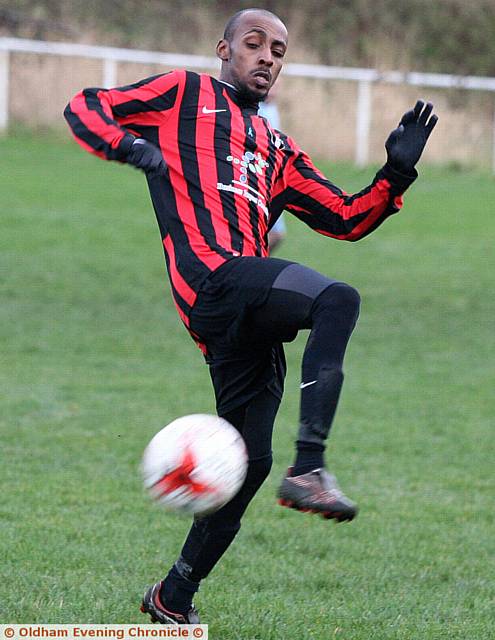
(111, 56)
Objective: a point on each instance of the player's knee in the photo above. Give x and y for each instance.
(341, 298)
(345, 297)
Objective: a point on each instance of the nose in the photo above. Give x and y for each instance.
(265, 57)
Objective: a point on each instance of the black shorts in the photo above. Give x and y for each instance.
(244, 357)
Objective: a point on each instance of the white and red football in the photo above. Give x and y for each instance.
(195, 465)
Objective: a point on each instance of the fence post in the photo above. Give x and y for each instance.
(363, 122)
(109, 73)
(4, 91)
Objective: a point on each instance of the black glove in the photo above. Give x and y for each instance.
(406, 143)
(146, 156)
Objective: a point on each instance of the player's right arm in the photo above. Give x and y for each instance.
(105, 122)
(309, 195)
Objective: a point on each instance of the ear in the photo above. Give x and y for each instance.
(223, 50)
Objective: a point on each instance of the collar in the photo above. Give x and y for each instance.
(248, 108)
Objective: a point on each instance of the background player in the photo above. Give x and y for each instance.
(269, 110)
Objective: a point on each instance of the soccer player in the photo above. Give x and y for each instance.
(219, 177)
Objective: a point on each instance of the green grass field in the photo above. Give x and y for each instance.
(95, 361)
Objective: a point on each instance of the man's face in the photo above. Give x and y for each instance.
(253, 59)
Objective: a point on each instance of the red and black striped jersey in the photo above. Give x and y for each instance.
(230, 174)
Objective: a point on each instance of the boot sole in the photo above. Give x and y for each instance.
(339, 516)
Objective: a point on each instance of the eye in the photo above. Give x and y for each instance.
(278, 54)
(252, 45)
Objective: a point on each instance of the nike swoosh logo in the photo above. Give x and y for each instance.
(307, 384)
(206, 110)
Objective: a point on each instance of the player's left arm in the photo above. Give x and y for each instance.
(113, 124)
(309, 195)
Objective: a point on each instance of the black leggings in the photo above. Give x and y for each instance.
(331, 316)
(296, 301)
(210, 536)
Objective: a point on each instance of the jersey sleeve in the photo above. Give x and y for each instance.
(305, 192)
(101, 119)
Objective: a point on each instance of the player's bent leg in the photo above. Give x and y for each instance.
(333, 318)
(308, 486)
(302, 298)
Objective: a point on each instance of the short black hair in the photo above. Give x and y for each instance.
(232, 23)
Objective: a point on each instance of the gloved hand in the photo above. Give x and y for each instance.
(146, 156)
(406, 143)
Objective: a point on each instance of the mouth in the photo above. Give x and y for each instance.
(263, 77)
